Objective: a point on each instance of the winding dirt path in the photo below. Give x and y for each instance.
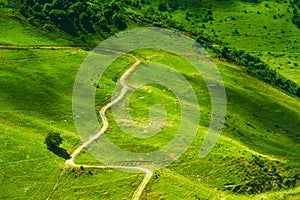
(71, 162)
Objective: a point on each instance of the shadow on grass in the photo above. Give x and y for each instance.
(60, 152)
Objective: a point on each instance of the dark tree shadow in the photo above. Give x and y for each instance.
(60, 152)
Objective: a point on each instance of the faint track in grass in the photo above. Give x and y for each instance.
(105, 124)
(43, 47)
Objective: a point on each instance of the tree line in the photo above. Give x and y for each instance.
(257, 67)
(75, 17)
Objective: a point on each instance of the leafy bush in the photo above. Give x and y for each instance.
(53, 140)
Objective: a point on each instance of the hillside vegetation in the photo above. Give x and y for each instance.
(257, 155)
(213, 22)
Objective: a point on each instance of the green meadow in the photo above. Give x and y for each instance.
(256, 157)
(36, 98)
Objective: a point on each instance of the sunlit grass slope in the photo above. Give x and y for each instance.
(261, 133)
(262, 126)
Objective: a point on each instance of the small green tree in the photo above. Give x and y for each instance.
(53, 140)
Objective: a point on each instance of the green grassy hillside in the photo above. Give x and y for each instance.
(257, 156)
(264, 29)
(256, 146)
(36, 98)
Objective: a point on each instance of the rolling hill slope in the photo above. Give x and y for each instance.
(257, 156)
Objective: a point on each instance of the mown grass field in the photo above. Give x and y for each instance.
(36, 98)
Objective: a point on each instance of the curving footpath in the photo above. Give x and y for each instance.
(71, 162)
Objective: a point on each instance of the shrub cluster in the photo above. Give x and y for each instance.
(261, 176)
